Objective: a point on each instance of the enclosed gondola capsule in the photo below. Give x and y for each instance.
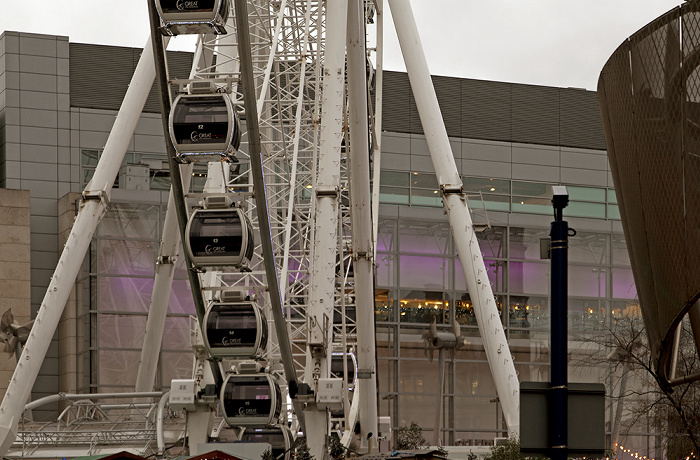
(193, 16)
(219, 237)
(235, 329)
(205, 127)
(278, 437)
(338, 367)
(251, 400)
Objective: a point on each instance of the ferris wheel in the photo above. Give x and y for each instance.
(279, 245)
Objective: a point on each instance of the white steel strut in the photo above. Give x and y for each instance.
(326, 190)
(488, 319)
(361, 219)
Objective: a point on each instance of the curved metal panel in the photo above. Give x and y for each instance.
(649, 95)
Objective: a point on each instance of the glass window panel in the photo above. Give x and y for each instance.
(486, 185)
(424, 180)
(126, 257)
(586, 281)
(492, 242)
(121, 331)
(385, 270)
(124, 293)
(589, 248)
(89, 157)
(87, 175)
(424, 272)
(489, 202)
(413, 408)
(537, 367)
(394, 178)
(425, 197)
(534, 308)
(612, 196)
(582, 209)
(533, 189)
(623, 283)
(385, 239)
(117, 367)
(587, 373)
(528, 278)
(532, 205)
(496, 272)
(181, 298)
(418, 306)
(160, 182)
(383, 305)
(131, 221)
(175, 365)
(627, 309)
(465, 316)
(620, 255)
(386, 374)
(418, 375)
(586, 315)
(586, 194)
(176, 335)
(614, 212)
(525, 242)
(423, 238)
(474, 379)
(393, 195)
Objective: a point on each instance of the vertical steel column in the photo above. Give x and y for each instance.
(260, 192)
(361, 219)
(326, 189)
(440, 396)
(378, 113)
(488, 319)
(558, 394)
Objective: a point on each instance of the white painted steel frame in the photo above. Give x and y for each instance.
(488, 319)
(326, 193)
(361, 221)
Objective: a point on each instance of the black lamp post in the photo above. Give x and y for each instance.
(559, 234)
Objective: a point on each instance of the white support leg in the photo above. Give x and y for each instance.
(360, 212)
(489, 321)
(92, 208)
(160, 297)
(326, 190)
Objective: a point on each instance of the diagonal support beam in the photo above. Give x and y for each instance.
(487, 315)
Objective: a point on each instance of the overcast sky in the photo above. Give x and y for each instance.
(541, 42)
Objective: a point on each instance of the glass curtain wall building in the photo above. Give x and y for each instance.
(511, 143)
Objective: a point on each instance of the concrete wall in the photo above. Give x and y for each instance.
(15, 268)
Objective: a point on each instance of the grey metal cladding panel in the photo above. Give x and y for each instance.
(449, 95)
(486, 110)
(580, 122)
(535, 114)
(179, 66)
(396, 102)
(99, 75)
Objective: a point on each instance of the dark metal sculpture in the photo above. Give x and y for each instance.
(649, 94)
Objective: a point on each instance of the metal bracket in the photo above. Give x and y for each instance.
(327, 191)
(448, 189)
(365, 373)
(98, 195)
(170, 260)
(362, 255)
